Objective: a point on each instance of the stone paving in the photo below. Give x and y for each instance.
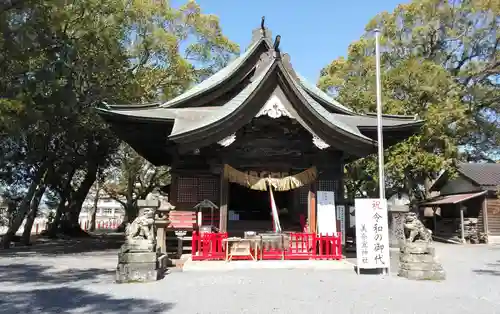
(66, 281)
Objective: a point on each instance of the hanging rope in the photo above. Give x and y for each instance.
(274, 212)
(278, 184)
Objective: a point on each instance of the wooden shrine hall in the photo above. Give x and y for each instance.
(254, 124)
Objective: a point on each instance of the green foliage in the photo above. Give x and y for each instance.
(440, 60)
(59, 59)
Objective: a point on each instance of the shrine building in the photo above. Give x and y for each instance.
(254, 124)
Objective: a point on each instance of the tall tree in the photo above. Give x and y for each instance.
(59, 59)
(440, 60)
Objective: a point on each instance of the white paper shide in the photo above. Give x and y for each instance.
(372, 236)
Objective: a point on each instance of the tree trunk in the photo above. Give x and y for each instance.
(54, 227)
(64, 195)
(427, 186)
(28, 226)
(130, 212)
(24, 207)
(70, 225)
(130, 215)
(94, 208)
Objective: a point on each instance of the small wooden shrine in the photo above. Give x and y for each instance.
(254, 124)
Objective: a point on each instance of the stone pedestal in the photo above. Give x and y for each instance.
(136, 265)
(417, 261)
(397, 214)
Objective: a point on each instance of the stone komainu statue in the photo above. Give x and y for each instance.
(141, 227)
(415, 230)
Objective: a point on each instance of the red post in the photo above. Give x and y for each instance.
(36, 229)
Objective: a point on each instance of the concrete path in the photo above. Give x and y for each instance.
(245, 265)
(83, 283)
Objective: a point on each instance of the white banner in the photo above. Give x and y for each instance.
(372, 233)
(327, 220)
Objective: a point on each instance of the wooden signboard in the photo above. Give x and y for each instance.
(372, 234)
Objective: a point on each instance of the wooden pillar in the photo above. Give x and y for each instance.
(161, 238)
(172, 196)
(434, 220)
(312, 206)
(224, 195)
(462, 229)
(485, 215)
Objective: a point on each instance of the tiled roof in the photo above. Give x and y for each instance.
(484, 174)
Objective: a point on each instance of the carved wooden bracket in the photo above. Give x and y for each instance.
(225, 142)
(319, 143)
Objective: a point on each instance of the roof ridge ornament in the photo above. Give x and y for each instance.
(262, 26)
(276, 47)
(261, 32)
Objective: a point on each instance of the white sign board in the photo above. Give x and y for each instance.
(327, 220)
(372, 233)
(341, 218)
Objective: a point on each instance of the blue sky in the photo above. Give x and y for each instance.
(313, 32)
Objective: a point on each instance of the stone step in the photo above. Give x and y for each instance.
(138, 272)
(137, 257)
(417, 258)
(417, 248)
(422, 274)
(420, 266)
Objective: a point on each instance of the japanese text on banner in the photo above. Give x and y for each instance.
(372, 237)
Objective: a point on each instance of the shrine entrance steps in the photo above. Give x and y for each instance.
(193, 266)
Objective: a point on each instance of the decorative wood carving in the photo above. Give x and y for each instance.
(225, 142)
(319, 143)
(274, 109)
(285, 59)
(264, 60)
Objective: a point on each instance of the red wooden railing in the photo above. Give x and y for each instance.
(301, 246)
(208, 246)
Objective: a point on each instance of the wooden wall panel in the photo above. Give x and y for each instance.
(190, 190)
(493, 205)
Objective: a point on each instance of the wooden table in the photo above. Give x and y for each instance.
(240, 247)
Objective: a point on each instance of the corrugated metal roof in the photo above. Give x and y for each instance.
(451, 199)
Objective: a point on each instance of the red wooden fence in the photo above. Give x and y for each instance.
(208, 246)
(301, 246)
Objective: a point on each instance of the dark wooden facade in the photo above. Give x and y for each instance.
(265, 146)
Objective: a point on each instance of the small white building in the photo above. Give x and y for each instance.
(109, 210)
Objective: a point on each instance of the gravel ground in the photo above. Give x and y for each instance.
(83, 283)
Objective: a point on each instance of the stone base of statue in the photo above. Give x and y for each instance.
(417, 261)
(138, 262)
